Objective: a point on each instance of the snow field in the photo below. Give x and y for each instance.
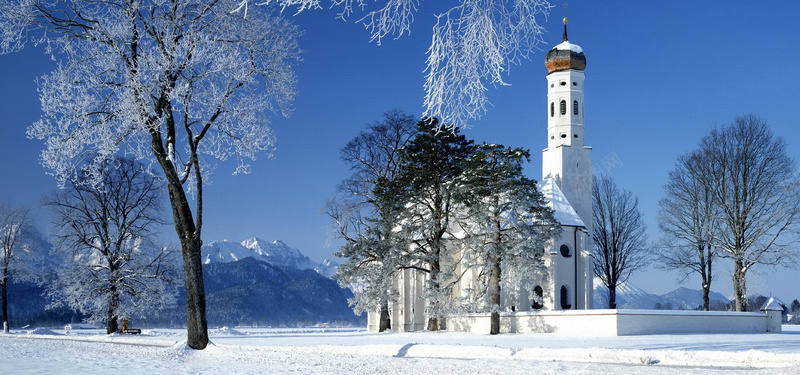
(326, 351)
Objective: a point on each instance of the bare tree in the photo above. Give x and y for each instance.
(618, 235)
(169, 81)
(364, 215)
(757, 195)
(686, 218)
(16, 251)
(108, 224)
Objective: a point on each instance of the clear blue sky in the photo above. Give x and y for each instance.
(659, 76)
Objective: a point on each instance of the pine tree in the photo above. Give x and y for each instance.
(426, 183)
(507, 222)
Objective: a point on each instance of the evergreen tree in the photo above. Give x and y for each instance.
(426, 184)
(507, 223)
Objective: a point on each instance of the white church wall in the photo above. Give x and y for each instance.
(616, 322)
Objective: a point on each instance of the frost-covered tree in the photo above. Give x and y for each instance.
(364, 213)
(618, 235)
(179, 82)
(506, 222)
(18, 255)
(427, 185)
(107, 225)
(687, 218)
(757, 193)
(474, 44)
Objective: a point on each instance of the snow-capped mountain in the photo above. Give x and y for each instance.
(327, 268)
(630, 296)
(276, 253)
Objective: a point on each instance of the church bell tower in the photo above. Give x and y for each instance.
(567, 160)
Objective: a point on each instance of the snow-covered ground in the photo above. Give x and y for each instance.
(349, 351)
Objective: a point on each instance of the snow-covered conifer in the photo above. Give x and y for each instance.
(506, 224)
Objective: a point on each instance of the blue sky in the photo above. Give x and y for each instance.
(659, 76)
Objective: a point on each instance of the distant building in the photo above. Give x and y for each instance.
(566, 184)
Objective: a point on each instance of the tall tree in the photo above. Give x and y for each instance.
(507, 224)
(687, 219)
(365, 212)
(17, 253)
(171, 81)
(426, 184)
(108, 225)
(618, 235)
(757, 195)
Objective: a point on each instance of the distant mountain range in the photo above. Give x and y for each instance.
(630, 296)
(256, 293)
(275, 253)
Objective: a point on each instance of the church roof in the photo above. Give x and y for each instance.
(563, 211)
(565, 56)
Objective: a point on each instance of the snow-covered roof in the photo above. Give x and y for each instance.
(564, 213)
(772, 304)
(566, 45)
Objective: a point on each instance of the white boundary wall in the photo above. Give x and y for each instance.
(620, 322)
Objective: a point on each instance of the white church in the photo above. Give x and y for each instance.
(562, 297)
(566, 185)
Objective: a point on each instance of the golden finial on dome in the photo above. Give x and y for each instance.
(564, 38)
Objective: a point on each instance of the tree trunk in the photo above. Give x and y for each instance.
(739, 286)
(5, 304)
(196, 323)
(385, 321)
(113, 315)
(433, 321)
(494, 297)
(612, 296)
(191, 243)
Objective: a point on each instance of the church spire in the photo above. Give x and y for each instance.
(564, 38)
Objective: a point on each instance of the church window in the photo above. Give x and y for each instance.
(552, 85)
(563, 135)
(574, 83)
(575, 107)
(565, 252)
(563, 83)
(575, 135)
(552, 109)
(565, 298)
(552, 137)
(563, 107)
(538, 298)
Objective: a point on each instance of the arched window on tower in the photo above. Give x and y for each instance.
(552, 109)
(563, 107)
(575, 107)
(565, 305)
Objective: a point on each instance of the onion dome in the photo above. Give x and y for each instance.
(565, 55)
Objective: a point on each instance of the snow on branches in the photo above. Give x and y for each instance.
(473, 44)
